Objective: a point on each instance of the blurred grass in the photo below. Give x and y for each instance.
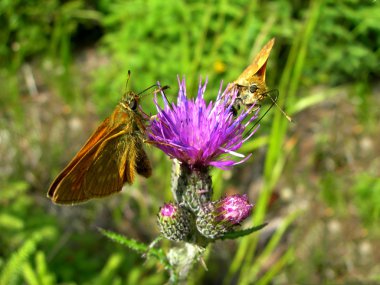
(63, 67)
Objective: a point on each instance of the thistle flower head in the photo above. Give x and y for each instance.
(233, 209)
(201, 134)
(217, 218)
(175, 222)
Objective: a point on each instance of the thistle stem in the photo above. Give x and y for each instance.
(191, 188)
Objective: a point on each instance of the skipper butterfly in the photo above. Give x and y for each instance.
(111, 157)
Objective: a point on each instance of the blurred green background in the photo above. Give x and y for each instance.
(63, 68)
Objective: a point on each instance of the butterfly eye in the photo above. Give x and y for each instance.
(133, 104)
(253, 88)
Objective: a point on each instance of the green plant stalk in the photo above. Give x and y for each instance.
(29, 275)
(277, 138)
(13, 268)
(219, 27)
(289, 82)
(261, 205)
(200, 271)
(270, 248)
(251, 10)
(183, 259)
(199, 48)
(285, 259)
(246, 270)
(38, 275)
(109, 270)
(184, 37)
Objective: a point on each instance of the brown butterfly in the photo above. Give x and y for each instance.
(251, 83)
(110, 157)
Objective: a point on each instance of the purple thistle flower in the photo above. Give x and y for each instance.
(197, 133)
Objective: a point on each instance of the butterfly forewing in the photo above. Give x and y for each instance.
(90, 144)
(257, 68)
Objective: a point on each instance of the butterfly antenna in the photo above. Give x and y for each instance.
(154, 85)
(162, 89)
(274, 102)
(259, 120)
(126, 85)
(129, 76)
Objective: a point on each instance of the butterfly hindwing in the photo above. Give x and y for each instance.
(114, 165)
(143, 166)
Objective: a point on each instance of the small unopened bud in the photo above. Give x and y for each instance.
(234, 209)
(217, 218)
(175, 222)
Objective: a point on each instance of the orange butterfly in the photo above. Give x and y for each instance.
(111, 157)
(251, 83)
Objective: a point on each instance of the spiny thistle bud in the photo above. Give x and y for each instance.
(193, 186)
(175, 222)
(217, 218)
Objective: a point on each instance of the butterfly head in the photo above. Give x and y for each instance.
(251, 92)
(130, 101)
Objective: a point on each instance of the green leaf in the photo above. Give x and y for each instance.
(10, 222)
(107, 275)
(12, 269)
(237, 234)
(131, 243)
(142, 248)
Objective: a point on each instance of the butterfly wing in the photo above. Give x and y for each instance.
(100, 172)
(92, 143)
(114, 164)
(143, 166)
(257, 67)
